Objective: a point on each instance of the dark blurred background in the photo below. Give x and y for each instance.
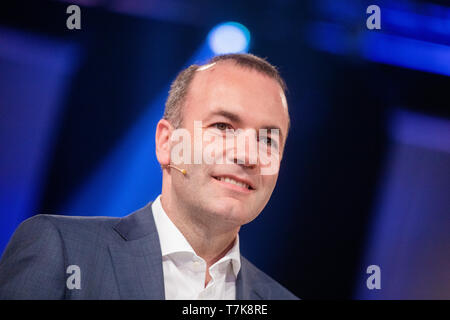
(366, 175)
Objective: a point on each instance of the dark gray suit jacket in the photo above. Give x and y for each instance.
(119, 258)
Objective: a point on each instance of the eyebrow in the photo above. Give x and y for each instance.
(236, 118)
(229, 115)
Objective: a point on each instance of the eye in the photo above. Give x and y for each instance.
(222, 126)
(268, 141)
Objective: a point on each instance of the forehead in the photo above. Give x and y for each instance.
(230, 74)
(248, 93)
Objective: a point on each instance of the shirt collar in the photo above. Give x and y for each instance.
(172, 240)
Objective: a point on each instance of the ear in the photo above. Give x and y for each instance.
(162, 141)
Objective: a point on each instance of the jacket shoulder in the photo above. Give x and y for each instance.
(32, 264)
(75, 227)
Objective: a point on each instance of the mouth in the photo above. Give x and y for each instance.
(234, 181)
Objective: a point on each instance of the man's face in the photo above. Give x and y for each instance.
(226, 96)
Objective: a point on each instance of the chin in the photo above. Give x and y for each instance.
(232, 210)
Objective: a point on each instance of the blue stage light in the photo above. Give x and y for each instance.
(229, 37)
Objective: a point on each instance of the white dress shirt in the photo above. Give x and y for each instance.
(185, 272)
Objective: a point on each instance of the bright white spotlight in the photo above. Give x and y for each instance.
(229, 37)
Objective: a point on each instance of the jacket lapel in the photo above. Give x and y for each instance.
(137, 258)
(248, 286)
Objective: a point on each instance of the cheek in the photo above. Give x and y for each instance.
(269, 161)
(269, 183)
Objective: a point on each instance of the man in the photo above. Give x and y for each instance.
(185, 244)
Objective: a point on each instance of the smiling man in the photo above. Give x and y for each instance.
(185, 244)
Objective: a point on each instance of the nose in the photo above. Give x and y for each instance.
(244, 148)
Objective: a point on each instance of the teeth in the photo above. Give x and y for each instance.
(240, 184)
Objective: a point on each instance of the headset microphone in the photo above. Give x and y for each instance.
(183, 171)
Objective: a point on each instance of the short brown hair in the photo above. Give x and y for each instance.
(180, 86)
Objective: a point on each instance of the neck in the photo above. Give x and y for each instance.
(209, 239)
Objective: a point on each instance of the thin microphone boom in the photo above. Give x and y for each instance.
(183, 171)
